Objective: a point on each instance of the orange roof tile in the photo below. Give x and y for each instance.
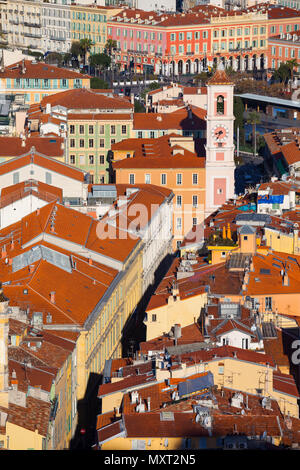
(44, 162)
(83, 98)
(180, 119)
(39, 70)
(41, 190)
(49, 146)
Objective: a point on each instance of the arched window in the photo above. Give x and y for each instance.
(220, 104)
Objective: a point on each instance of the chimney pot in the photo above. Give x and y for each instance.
(52, 297)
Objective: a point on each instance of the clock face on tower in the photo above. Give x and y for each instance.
(220, 133)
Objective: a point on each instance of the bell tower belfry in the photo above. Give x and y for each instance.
(219, 164)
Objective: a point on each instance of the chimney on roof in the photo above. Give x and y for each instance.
(38, 211)
(3, 252)
(285, 279)
(23, 67)
(90, 261)
(52, 297)
(14, 383)
(134, 397)
(48, 108)
(31, 268)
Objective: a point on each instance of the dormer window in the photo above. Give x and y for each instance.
(220, 104)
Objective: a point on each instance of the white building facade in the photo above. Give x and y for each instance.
(56, 26)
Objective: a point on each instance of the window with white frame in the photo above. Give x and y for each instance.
(131, 178)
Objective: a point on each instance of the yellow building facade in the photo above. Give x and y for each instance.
(281, 241)
(184, 311)
(102, 339)
(90, 22)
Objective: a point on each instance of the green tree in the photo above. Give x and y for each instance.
(100, 61)
(253, 119)
(283, 73)
(138, 107)
(54, 58)
(98, 83)
(85, 47)
(292, 63)
(238, 111)
(75, 50)
(67, 57)
(110, 45)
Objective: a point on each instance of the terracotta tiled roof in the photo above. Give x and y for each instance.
(49, 146)
(291, 153)
(179, 119)
(44, 162)
(275, 11)
(271, 281)
(31, 376)
(227, 352)
(39, 70)
(83, 98)
(110, 431)
(34, 417)
(277, 187)
(230, 325)
(41, 190)
(16, 327)
(156, 153)
(284, 383)
(220, 78)
(189, 334)
(124, 384)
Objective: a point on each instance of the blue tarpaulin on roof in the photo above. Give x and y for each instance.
(195, 385)
(248, 207)
(270, 199)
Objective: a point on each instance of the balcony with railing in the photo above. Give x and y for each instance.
(32, 35)
(32, 25)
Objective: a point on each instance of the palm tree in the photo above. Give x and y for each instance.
(110, 45)
(253, 119)
(85, 46)
(292, 63)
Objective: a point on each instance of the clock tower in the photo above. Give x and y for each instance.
(219, 166)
